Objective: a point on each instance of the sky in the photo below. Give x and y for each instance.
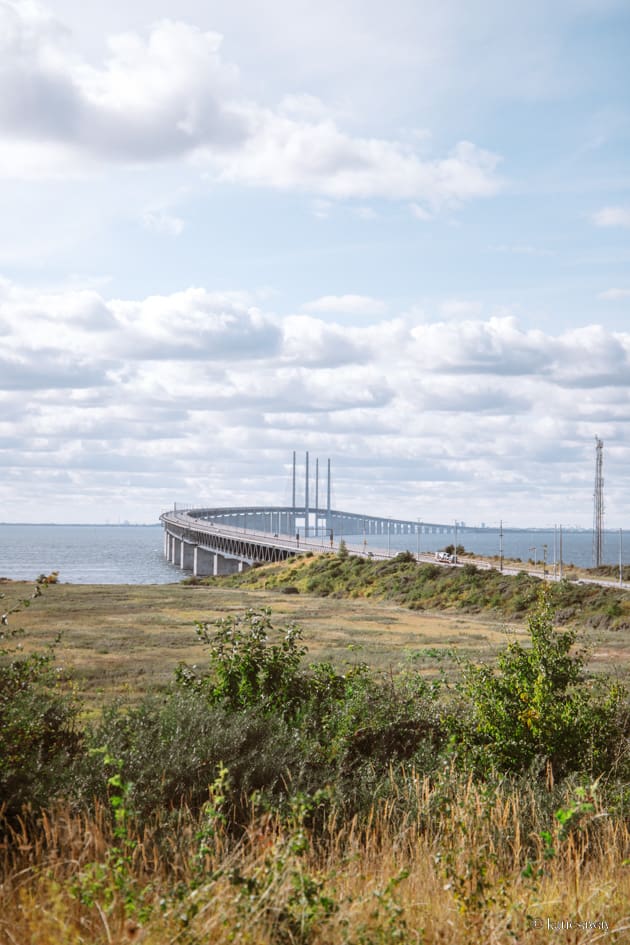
(396, 235)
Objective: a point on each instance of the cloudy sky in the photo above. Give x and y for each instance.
(393, 234)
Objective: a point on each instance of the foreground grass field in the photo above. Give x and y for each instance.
(434, 863)
(416, 776)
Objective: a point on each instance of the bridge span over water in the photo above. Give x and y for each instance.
(225, 540)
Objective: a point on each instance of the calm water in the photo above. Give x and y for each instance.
(86, 554)
(110, 554)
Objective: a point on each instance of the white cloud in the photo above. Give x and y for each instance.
(311, 341)
(58, 371)
(615, 295)
(304, 107)
(319, 157)
(79, 340)
(496, 347)
(477, 399)
(152, 99)
(612, 216)
(194, 324)
(592, 357)
(165, 223)
(170, 95)
(346, 305)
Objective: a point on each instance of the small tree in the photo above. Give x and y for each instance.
(342, 551)
(248, 668)
(539, 705)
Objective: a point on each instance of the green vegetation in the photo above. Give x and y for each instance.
(469, 589)
(38, 721)
(267, 799)
(538, 708)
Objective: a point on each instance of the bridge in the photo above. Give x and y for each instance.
(226, 540)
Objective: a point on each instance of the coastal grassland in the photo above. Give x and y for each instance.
(126, 640)
(270, 799)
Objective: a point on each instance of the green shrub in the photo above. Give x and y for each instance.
(538, 708)
(247, 668)
(169, 752)
(343, 552)
(39, 734)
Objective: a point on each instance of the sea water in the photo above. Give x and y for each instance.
(86, 554)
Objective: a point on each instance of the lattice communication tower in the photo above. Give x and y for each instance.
(598, 505)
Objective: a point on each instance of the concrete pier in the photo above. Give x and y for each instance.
(203, 562)
(187, 555)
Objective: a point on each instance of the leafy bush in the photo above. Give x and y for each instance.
(343, 552)
(170, 750)
(539, 708)
(39, 736)
(246, 669)
(341, 723)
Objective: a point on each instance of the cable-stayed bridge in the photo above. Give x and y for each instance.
(224, 540)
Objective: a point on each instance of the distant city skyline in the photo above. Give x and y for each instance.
(398, 236)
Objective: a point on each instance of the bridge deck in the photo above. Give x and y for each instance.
(236, 537)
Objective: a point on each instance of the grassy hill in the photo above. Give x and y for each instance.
(469, 590)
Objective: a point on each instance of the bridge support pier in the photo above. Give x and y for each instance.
(186, 556)
(226, 565)
(174, 550)
(203, 562)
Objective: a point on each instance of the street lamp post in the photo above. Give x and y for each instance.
(533, 548)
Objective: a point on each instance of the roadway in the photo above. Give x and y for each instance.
(286, 546)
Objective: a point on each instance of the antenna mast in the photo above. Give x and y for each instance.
(598, 505)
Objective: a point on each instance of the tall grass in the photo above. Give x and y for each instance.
(345, 809)
(442, 860)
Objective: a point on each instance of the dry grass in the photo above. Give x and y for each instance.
(126, 640)
(429, 865)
